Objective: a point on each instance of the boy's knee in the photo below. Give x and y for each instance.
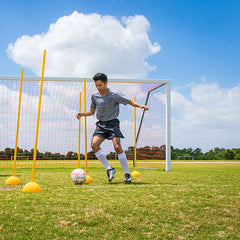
(118, 149)
(95, 147)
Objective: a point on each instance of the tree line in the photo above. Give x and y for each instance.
(213, 154)
(143, 153)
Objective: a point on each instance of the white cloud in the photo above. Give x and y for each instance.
(210, 118)
(77, 45)
(80, 45)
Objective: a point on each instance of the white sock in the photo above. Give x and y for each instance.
(123, 160)
(103, 159)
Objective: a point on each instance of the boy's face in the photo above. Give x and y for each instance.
(101, 86)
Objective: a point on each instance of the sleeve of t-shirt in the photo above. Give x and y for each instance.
(93, 103)
(120, 98)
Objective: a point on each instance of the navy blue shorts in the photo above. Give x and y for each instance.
(108, 130)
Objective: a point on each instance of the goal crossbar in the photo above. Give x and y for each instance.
(70, 79)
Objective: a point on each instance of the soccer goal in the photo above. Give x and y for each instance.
(60, 133)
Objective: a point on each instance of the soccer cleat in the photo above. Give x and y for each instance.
(128, 178)
(110, 173)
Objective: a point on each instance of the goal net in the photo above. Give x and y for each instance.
(20, 158)
(58, 135)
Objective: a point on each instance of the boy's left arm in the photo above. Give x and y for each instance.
(136, 104)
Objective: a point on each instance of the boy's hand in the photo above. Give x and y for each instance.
(79, 115)
(145, 107)
(86, 114)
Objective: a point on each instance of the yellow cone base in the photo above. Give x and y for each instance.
(135, 174)
(89, 179)
(32, 187)
(12, 181)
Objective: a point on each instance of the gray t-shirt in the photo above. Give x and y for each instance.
(107, 107)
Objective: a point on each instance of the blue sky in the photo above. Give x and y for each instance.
(199, 40)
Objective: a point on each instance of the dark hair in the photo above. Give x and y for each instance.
(100, 76)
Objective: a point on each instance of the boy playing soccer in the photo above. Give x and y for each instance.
(106, 104)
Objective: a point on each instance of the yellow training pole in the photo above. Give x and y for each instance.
(89, 179)
(13, 180)
(32, 186)
(85, 124)
(79, 131)
(135, 133)
(135, 173)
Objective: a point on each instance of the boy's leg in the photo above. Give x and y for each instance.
(96, 142)
(122, 159)
(121, 155)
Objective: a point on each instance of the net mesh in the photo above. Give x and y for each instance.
(58, 129)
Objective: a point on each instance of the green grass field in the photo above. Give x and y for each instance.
(193, 201)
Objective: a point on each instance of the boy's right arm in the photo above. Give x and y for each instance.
(88, 113)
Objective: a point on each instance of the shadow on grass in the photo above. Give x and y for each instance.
(127, 184)
(9, 188)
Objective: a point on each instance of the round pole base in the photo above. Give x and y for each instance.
(12, 181)
(32, 187)
(135, 174)
(89, 179)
